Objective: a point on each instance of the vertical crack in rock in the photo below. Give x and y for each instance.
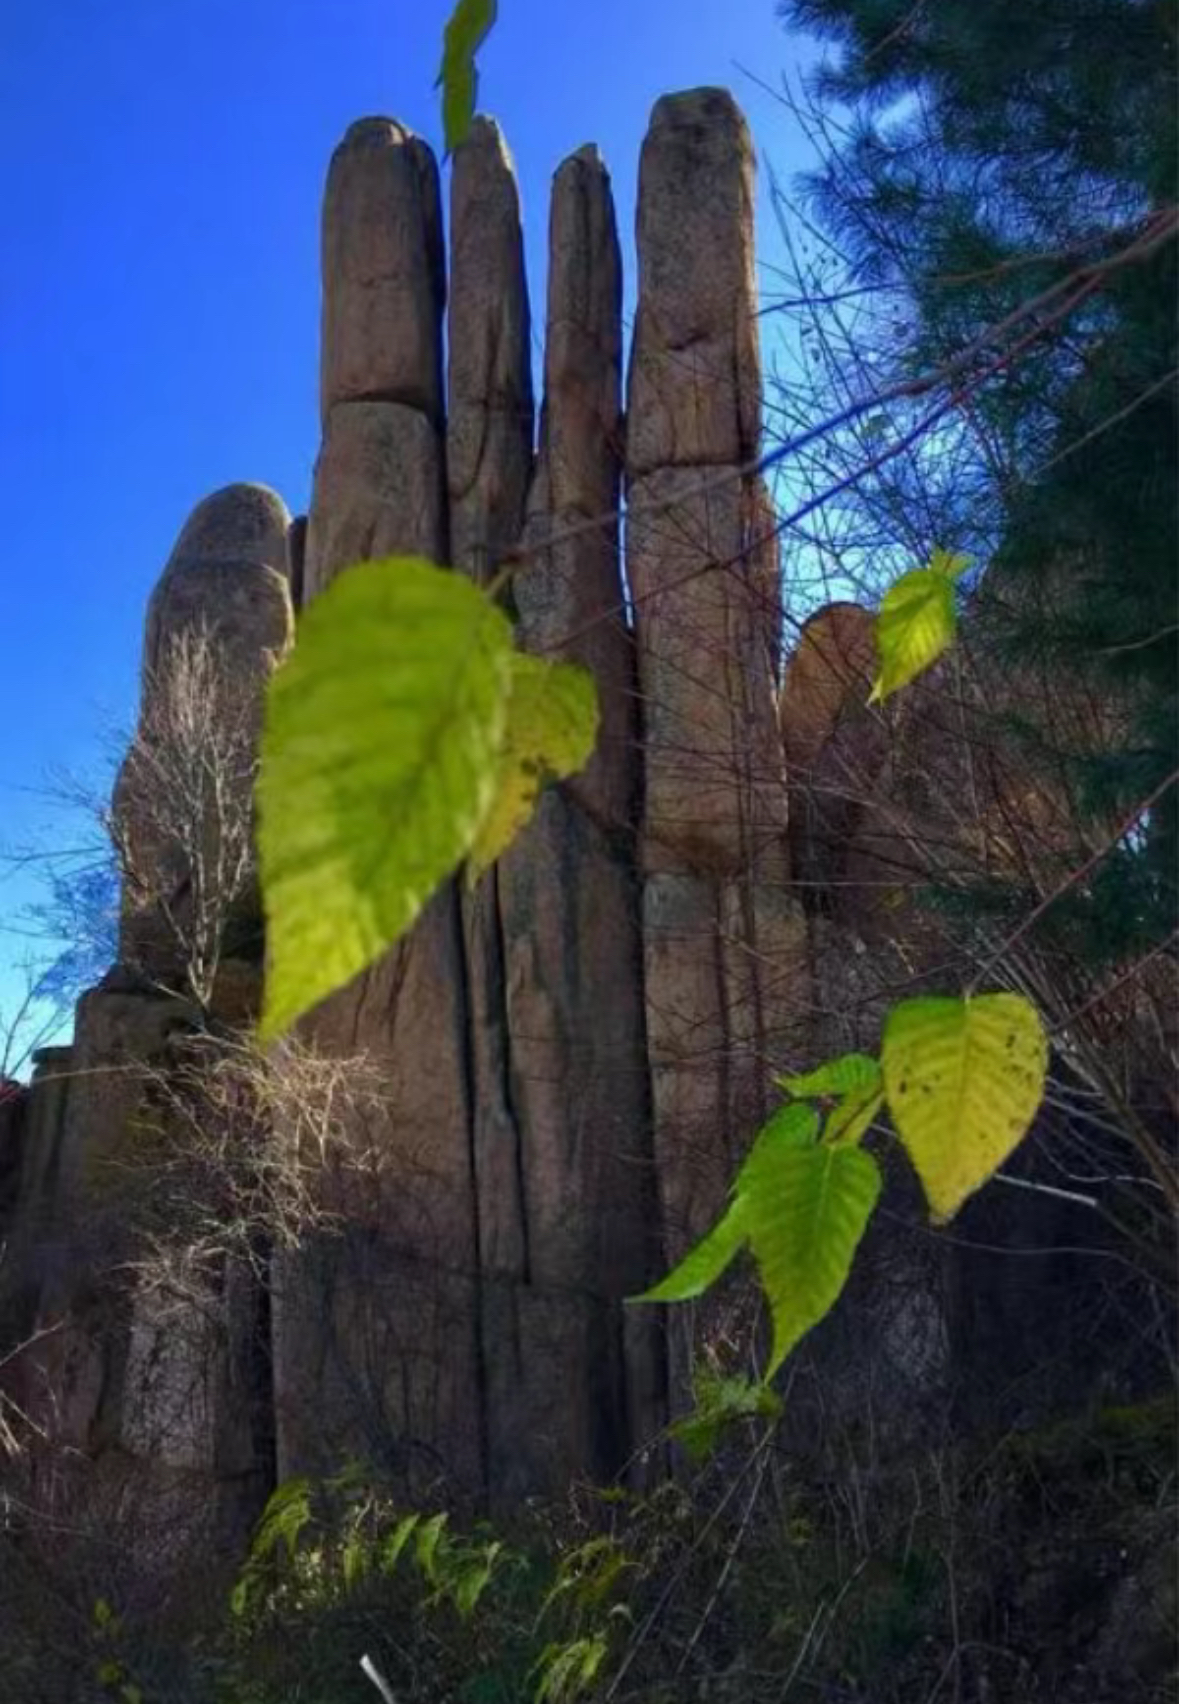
(489, 461)
(589, 1384)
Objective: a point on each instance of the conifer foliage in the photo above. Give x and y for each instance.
(991, 155)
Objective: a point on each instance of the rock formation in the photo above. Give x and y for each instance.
(574, 1052)
(722, 933)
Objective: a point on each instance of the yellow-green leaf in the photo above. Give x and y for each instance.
(849, 1121)
(704, 1262)
(794, 1126)
(466, 30)
(807, 1209)
(708, 1259)
(379, 757)
(963, 1078)
(914, 626)
(849, 1074)
(720, 1403)
(948, 563)
(552, 722)
(802, 1208)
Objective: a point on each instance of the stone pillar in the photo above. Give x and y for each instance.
(376, 1333)
(219, 620)
(724, 940)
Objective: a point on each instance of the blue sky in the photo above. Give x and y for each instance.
(159, 293)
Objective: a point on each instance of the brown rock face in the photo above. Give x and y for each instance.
(376, 1335)
(383, 271)
(489, 375)
(378, 490)
(219, 620)
(835, 746)
(220, 576)
(574, 1217)
(724, 963)
(695, 381)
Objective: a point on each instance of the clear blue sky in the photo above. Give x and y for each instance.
(163, 162)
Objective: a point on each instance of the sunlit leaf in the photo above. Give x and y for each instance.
(425, 1545)
(848, 1074)
(704, 1263)
(379, 761)
(963, 1078)
(915, 624)
(851, 1119)
(552, 722)
(948, 563)
(807, 1208)
(397, 1540)
(466, 31)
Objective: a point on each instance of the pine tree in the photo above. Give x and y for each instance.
(994, 157)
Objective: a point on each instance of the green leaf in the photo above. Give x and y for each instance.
(802, 1208)
(808, 1207)
(722, 1402)
(473, 1581)
(287, 1512)
(568, 1671)
(552, 722)
(467, 29)
(397, 1540)
(950, 565)
(963, 1078)
(848, 1121)
(915, 625)
(354, 1560)
(379, 758)
(425, 1543)
(793, 1126)
(849, 1074)
(704, 1262)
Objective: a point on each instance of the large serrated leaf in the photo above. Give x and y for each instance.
(914, 626)
(379, 756)
(807, 1209)
(552, 722)
(466, 30)
(963, 1078)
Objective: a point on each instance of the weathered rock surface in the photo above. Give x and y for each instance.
(376, 1335)
(383, 271)
(378, 491)
(694, 396)
(581, 1228)
(489, 369)
(724, 947)
(835, 746)
(219, 620)
(714, 797)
